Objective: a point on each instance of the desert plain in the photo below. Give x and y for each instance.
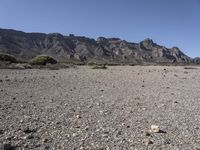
(81, 108)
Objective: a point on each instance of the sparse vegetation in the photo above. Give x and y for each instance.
(113, 64)
(7, 58)
(91, 63)
(73, 62)
(42, 60)
(132, 64)
(102, 66)
(100, 63)
(190, 68)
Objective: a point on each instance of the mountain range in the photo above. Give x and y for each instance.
(25, 46)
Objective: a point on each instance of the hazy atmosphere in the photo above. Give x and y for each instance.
(170, 23)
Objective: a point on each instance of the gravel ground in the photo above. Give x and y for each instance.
(113, 109)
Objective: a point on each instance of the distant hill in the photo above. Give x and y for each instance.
(66, 48)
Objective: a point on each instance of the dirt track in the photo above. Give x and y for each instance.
(82, 108)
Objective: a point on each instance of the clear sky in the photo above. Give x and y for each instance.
(167, 22)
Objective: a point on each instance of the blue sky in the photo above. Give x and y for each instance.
(167, 22)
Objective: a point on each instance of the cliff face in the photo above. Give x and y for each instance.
(27, 45)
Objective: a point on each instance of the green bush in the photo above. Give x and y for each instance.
(190, 67)
(74, 62)
(113, 64)
(42, 60)
(7, 58)
(132, 64)
(91, 63)
(103, 66)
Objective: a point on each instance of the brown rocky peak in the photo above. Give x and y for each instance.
(148, 41)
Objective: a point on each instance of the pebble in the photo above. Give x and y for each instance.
(155, 129)
(86, 128)
(167, 141)
(28, 130)
(148, 142)
(147, 134)
(105, 134)
(8, 146)
(45, 140)
(1, 132)
(107, 147)
(28, 137)
(78, 117)
(21, 121)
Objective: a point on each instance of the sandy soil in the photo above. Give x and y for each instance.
(113, 109)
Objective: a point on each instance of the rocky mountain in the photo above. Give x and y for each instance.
(65, 48)
(196, 60)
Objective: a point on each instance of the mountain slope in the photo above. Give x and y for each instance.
(27, 45)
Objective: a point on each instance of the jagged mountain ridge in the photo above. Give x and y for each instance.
(28, 45)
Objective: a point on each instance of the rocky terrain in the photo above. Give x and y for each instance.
(82, 49)
(119, 108)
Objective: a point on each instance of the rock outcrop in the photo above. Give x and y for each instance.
(65, 48)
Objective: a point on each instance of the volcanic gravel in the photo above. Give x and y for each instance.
(100, 109)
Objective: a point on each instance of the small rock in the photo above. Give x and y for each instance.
(167, 141)
(47, 147)
(1, 132)
(107, 147)
(21, 121)
(28, 130)
(81, 148)
(86, 128)
(58, 122)
(148, 142)
(8, 146)
(119, 133)
(45, 140)
(1, 80)
(155, 129)
(147, 134)
(105, 134)
(78, 117)
(175, 75)
(28, 137)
